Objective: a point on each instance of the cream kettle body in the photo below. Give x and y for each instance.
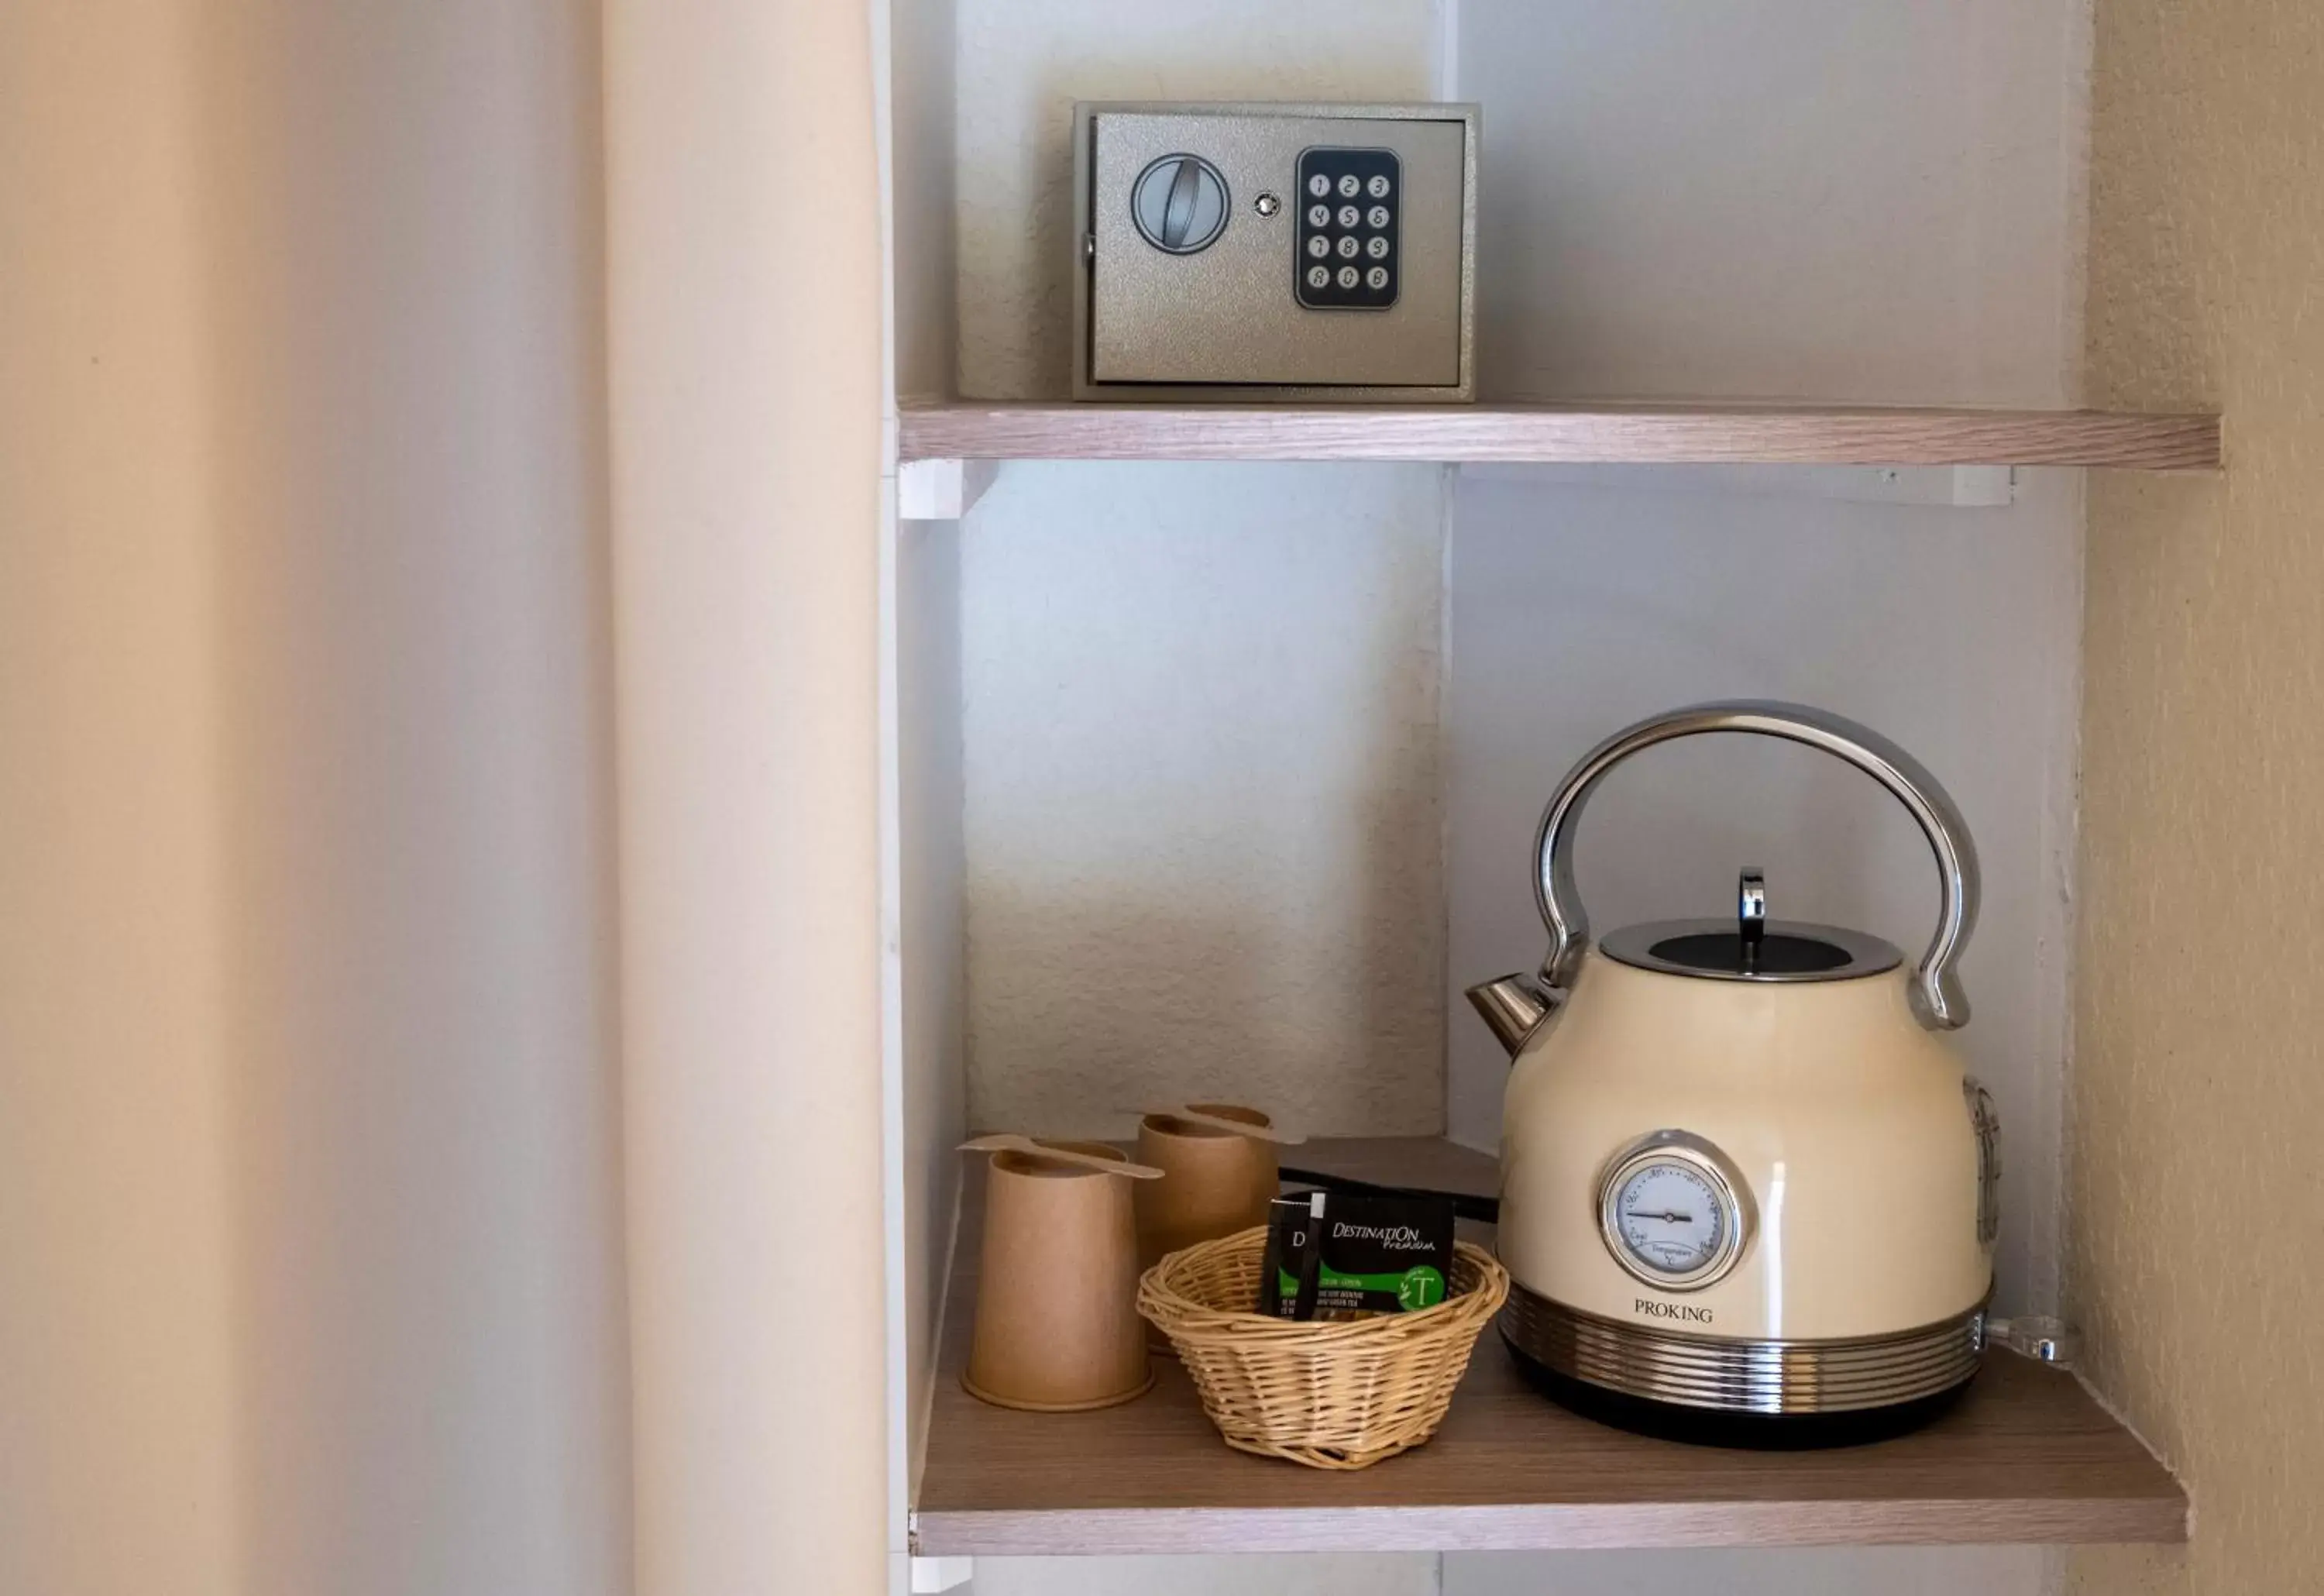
(1746, 1185)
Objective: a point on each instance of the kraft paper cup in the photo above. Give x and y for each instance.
(1213, 1182)
(1057, 1329)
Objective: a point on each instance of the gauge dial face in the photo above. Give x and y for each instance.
(1670, 1213)
(1670, 1218)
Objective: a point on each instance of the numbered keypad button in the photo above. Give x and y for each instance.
(1346, 245)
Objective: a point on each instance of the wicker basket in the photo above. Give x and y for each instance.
(1332, 1396)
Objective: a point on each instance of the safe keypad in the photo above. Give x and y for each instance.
(1347, 250)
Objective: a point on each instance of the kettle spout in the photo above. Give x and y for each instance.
(1514, 1007)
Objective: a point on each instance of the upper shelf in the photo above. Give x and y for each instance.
(1608, 433)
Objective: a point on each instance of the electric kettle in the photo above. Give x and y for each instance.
(1747, 1191)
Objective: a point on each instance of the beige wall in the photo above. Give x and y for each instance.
(2196, 1263)
(117, 1439)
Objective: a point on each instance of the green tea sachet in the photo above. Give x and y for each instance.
(1347, 1255)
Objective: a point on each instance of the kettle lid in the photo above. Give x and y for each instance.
(1751, 947)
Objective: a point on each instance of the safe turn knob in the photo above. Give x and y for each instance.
(1179, 203)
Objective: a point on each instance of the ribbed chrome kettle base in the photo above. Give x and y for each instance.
(1744, 1377)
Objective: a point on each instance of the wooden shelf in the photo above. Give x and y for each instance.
(1618, 434)
(2027, 1456)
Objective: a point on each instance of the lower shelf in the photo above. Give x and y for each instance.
(2027, 1456)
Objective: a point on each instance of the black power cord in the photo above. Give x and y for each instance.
(1465, 1206)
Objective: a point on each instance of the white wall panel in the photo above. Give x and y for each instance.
(1810, 198)
(916, 81)
(1202, 794)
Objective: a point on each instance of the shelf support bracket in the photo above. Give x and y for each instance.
(932, 1576)
(941, 490)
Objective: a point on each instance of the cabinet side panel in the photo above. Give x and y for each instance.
(922, 949)
(929, 943)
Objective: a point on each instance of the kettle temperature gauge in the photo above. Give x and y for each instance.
(1673, 1211)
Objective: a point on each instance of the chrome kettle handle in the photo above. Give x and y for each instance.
(1937, 995)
